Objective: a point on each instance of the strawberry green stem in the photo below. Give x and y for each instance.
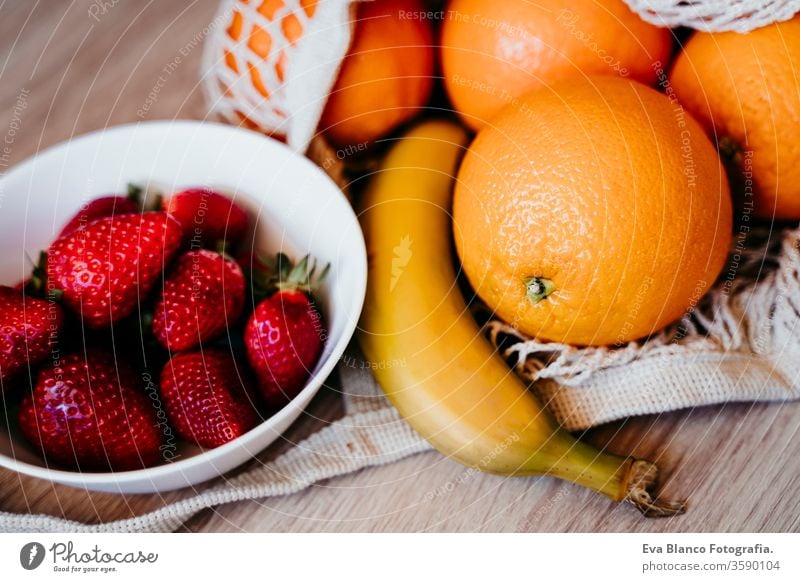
(282, 274)
(37, 284)
(135, 194)
(222, 248)
(151, 201)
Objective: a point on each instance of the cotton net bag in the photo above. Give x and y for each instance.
(715, 15)
(271, 63)
(270, 67)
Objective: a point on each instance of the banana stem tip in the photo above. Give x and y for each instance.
(643, 477)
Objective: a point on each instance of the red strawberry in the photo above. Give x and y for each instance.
(91, 412)
(99, 208)
(285, 334)
(203, 294)
(28, 329)
(207, 399)
(105, 269)
(207, 217)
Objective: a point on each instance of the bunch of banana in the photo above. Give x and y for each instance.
(455, 389)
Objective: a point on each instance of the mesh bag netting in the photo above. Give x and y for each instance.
(270, 63)
(715, 15)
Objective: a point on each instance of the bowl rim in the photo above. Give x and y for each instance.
(296, 404)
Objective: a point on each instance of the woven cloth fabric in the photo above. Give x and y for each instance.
(715, 15)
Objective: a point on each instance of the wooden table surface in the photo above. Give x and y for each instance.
(738, 464)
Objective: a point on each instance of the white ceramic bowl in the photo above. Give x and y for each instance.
(296, 208)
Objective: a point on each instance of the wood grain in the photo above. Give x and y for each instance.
(739, 465)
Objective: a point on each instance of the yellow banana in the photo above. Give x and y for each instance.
(446, 379)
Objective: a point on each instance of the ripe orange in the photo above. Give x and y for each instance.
(387, 75)
(745, 90)
(494, 52)
(592, 212)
